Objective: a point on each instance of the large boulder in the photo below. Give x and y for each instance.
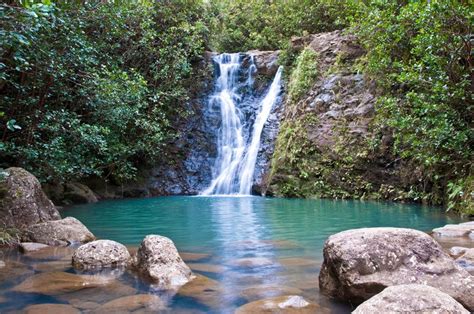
(59, 232)
(159, 261)
(22, 201)
(360, 263)
(412, 298)
(101, 253)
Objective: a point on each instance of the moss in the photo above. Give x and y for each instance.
(303, 75)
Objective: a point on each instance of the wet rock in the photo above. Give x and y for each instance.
(51, 308)
(59, 232)
(252, 262)
(207, 268)
(456, 251)
(282, 304)
(55, 283)
(267, 291)
(78, 193)
(412, 298)
(466, 260)
(158, 260)
(460, 230)
(146, 302)
(26, 247)
(193, 257)
(22, 201)
(101, 253)
(265, 61)
(360, 263)
(204, 290)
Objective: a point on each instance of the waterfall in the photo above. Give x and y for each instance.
(234, 166)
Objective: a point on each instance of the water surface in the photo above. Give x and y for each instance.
(282, 238)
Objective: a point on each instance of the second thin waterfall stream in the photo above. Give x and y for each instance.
(237, 146)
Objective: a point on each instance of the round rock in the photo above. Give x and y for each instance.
(412, 298)
(101, 253)
(360, 263)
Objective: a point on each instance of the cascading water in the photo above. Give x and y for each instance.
(234, 167)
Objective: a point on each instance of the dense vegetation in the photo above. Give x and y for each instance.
(97, 88)
(94, 88)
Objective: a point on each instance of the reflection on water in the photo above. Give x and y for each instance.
(249, 247)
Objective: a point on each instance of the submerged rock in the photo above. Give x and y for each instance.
(100, 294)
(51, 308)
(22, 201)
(101, 253)
(55, 283)
(12, 270)
(207, 268)
(204, 290)
(59, 232)
(283, 304)
(193, 257)
(360, 263)
(412, 298)
(252, 262)
(268, 290)
(142, 302)
(158, 260)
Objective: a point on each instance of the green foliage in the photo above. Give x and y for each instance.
(303, 75)
(241, 25)
(420, 54)
(94, 88)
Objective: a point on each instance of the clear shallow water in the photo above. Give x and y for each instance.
(282, 238)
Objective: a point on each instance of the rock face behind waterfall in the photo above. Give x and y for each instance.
(186, 165)
(360, 263)
(23, 202)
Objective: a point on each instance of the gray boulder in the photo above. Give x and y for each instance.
(158, 260)
(101, 253)
(360, 263)
(412, 298)
(59, 232)
(22, 201)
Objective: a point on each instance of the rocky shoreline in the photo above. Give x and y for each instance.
(388, 269)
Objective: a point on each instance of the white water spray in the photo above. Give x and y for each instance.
(235, 163)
